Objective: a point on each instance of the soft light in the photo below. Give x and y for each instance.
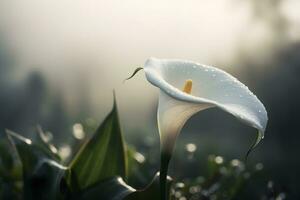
(78, 131)
(219, 159)
(64, 151)
(190, 147)
(139, 157)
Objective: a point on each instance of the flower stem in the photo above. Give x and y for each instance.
(164, 164)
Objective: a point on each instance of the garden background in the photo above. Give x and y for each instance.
(61, 60)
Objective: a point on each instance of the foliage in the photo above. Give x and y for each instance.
(103, 168)
(102, 156)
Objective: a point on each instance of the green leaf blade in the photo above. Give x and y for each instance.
(103, 156)
(109, 189)
(41, 175)
(152, 191)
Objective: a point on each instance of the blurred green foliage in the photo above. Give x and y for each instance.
(36, 169)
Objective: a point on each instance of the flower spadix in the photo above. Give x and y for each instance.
(187, 87)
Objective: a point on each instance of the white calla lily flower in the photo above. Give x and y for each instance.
(187, 87)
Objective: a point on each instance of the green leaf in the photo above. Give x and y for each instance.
(10, 170)
(44, 143)
(41, 175)
(152, 191)
(101, 157)
(116, 189)
(109, 189)
(10, 166)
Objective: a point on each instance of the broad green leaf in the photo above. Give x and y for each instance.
(41, 175)
(109, 189)
(116, 189)
(10, 166)
(101, 157)
(10, 170)
(152, 191)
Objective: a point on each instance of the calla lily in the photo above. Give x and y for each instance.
(187, 87)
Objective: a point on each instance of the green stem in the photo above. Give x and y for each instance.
(164, 164)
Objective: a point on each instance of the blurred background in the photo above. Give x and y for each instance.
(61, 60)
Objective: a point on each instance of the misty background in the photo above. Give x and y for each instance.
(61, 60)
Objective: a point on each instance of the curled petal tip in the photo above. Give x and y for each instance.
(134, 73)
(257, 140)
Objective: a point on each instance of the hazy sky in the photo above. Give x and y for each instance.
(87, 47)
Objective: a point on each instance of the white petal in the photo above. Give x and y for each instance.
(172, 115)
(211, 87)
